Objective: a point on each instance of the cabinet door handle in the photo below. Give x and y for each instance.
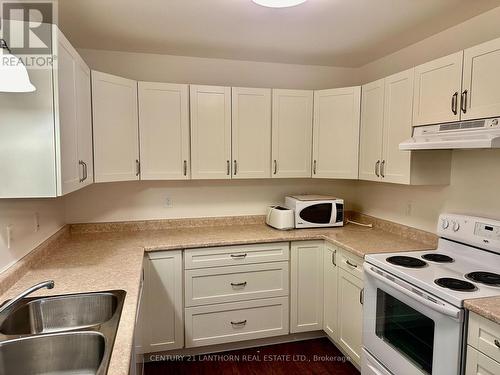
(315, 163)
(362, 296)
(382, 169)
(454, 103)
(334, 258)
(275, 167)
(377, 168)
(238, 256)
(240, 323)
(137, 167)
(239, 284)
(185, 167)
(84, 171)
(235, 167)
(497, 343)
(348, 262)
(463, 104)
(228, 166)
(81, 179)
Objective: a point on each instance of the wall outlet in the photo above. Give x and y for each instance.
(168, 203)
(9, 230)
(409, 208)
(36, 222)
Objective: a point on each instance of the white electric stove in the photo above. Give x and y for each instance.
(413, 314)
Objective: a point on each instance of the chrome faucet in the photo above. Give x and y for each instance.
(46, 284)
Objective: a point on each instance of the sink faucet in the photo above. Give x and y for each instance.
(46, 284)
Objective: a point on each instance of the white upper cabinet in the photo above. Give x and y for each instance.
(481, 82)
(164, 131)
(251, 132)
(210, 132)
(115, 123)
(292, 133)
(395, 165)
(371, 137)
(54, 121)
(438, 86)
(336, 133)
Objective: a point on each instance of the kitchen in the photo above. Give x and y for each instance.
(140, 173)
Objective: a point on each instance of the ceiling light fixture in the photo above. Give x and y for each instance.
(279, 3)
(13, 74)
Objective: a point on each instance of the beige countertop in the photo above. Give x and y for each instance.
(85, 262)
(486, 307)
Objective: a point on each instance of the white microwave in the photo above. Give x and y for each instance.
(316, 211)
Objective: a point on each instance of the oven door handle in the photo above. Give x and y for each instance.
(448, 311)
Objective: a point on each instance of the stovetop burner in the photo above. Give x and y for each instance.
(488, 278)
(438, 258)
(406, 261)
(455, 284)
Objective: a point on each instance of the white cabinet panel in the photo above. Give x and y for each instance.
(398, 104)
(482, 81)
(115, 123)
(163, 324)
(292, 133)
(336, 133)
(350, 314)
(164, 131)
(371, 137)
(330, 286)
(483, 335)
(437, 90)
(210, 132)
(251, 132)
(306, 286)
(480, 364)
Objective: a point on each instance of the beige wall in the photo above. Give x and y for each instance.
(205, 71)
(21, 215)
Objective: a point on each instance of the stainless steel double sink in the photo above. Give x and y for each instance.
(66, 334)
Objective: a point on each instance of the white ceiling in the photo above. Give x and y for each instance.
(347, 33)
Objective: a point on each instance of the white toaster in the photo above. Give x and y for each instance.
(280, 218)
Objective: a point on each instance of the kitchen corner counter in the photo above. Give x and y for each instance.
(488, 308)
(87, 262)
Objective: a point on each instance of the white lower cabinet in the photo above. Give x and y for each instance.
(483, 353)
(306, 286)
(480, 364)
(237, 321)
(330, 291)
(350, 307)
(162, 322)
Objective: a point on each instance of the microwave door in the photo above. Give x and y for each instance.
(406, 332)
(320, 213)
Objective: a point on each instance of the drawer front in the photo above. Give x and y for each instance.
(236, 255)
(205, 286)
(238, 321)
(351, 264)
(484, 335)
(480, 364)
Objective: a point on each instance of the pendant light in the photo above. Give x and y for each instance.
(279, 3)
(13, 74)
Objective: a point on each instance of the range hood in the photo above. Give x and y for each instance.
(455, 135)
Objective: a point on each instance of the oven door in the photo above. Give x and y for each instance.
(407, 330)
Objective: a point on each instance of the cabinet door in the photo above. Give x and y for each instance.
(210, 132)
(306, 286)
(163, 323)
(481, 80)
(66, 117)
(372, 122)
(437, 90)
(350, 314)
(330, 285)
(398, 106)
(251, 132)
(336, 133)
(84, 120)
(116, 131)
(164, 131)
(292, 133)
(480, 364)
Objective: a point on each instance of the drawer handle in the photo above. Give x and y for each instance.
(497, 343)
(240, 323)
(351, 264)
(239, 284)
(238, 256)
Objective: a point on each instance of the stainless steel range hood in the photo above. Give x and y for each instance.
(455, 135)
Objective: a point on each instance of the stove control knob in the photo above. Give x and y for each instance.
(456, 226)
(445, 223)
